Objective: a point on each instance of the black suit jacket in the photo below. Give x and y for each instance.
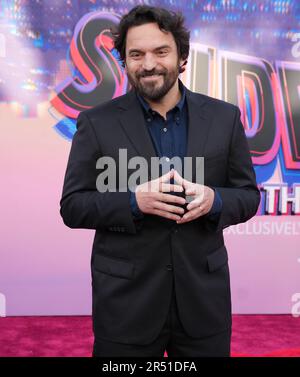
(133, 264)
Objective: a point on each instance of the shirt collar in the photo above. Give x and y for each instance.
(179, 105)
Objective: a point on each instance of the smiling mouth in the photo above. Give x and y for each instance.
(152, 77)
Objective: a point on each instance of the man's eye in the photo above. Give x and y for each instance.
(162, 52)
(135, 55)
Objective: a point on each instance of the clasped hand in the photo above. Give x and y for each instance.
(152, 198)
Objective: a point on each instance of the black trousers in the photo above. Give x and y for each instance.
(172, 339)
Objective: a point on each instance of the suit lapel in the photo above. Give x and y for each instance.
(133, 123)
(198, 124)
(198, 130)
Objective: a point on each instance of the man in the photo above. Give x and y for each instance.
(160, 273)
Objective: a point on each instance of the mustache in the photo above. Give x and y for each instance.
(150, 73)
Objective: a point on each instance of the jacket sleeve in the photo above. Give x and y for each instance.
(240, 196)
(81, 204)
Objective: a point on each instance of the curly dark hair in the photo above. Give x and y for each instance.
(167, 21)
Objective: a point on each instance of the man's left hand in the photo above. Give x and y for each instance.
(203, 198)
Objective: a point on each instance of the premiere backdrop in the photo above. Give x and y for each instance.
(57, 59)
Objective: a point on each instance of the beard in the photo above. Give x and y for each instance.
(154, 89)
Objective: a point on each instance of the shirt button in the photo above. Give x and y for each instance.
(148, 119)
(167, 159)
(165, 129)
(169, 267)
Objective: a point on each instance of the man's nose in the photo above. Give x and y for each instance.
(149, 62)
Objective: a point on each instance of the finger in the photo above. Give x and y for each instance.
(194, 204)
(168, 208)
(191, 215)
(167, 187)
(195, 189)
(178, 178)
(166, 177)
(167, 215)
(190, 191)
(168, 198)
(182, 181)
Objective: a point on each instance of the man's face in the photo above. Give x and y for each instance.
(152, 63)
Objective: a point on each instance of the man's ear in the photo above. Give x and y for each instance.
(182, 66)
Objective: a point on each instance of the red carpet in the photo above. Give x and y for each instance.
(252, 335)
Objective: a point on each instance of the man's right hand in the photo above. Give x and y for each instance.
(152, 199)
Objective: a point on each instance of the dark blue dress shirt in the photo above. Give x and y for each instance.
(169, 137)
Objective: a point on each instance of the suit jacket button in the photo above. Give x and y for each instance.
(169, 267)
